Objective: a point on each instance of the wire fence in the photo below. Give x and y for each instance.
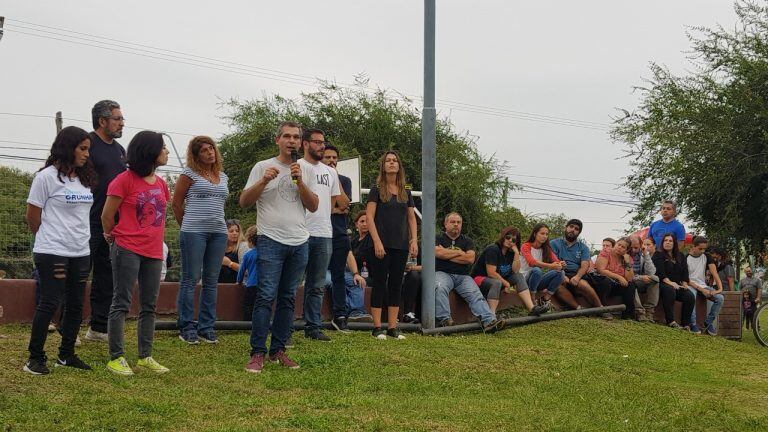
(16, 240)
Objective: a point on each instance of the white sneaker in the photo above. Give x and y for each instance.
(95, 336)
(78, 342)
(51, 327)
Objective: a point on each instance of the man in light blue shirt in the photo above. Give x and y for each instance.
(577, 260)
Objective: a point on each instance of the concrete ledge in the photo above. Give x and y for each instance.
(17, 298)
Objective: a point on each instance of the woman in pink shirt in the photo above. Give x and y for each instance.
(538, 257)
(616, 266)
(139, 197)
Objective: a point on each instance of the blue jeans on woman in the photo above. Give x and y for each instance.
(549, 281)
(201, 255)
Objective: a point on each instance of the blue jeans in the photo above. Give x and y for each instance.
(467, 289)
(280, 269)
(201, 255)
(320, 249)
(714, 305)
(550, 280)
(355, 295)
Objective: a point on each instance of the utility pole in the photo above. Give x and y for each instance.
(428, 172)
(59, 122)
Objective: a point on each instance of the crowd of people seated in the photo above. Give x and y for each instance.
(95, 205)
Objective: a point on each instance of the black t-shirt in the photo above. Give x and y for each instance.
(339, 221)
(492, 255)
(108, 160)
(676, 271)
(462, 242)
(226, 274)
(357, 246)
(391, 220)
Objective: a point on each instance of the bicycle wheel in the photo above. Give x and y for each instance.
(760, 324)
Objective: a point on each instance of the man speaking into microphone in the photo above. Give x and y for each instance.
(278, 188)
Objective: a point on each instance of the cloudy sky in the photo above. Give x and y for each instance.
(548, 75)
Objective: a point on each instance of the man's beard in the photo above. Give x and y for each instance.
(116, 134)
(571, 237)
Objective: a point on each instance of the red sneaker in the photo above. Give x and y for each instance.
(284, 360)
(255, 364)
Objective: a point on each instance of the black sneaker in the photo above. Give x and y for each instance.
(73, 361)
(540, 309)
(395, 333)
(410, 318)
(36, 367)
(289, 342)
(494, 326)
(318, 336)
(379, 333)
(340, 324)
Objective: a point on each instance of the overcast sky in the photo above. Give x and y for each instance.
(564, 60)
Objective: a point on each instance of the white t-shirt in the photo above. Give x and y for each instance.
(697, 269)
(538, 254)
(325, 184)
(279, 211)
(65, 224)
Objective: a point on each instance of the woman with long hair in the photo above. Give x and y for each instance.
(198, 205)
(392, 233)
(140, 197)
(58, 206)
(616, 266)
(235, 248)
(498, 269)
(672, 270)
(538, 257)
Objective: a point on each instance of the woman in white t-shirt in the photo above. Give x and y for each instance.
(58, 206)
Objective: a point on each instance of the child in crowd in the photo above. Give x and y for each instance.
(248, 269)
(748, 306)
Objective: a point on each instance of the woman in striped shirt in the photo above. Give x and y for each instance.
(198, 205)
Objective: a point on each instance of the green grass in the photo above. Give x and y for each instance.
(577, 374)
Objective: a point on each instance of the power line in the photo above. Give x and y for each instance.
(565, 179)
(153, 52)
(90, 122)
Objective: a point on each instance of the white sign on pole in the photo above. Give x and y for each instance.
(351, 169)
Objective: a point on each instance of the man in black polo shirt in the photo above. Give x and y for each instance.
(454, 256)
(108, 158)
(338, 262)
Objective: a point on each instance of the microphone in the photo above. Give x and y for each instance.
(294, 159)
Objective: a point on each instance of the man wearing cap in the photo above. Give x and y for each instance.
(577, 260)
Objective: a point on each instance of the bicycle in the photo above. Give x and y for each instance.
(760, 324)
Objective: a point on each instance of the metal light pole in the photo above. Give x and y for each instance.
(428, 176)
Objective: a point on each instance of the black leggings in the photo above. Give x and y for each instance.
(748, 318)
(59, 277)
(669, 295)
(412, 292)
(387, 275)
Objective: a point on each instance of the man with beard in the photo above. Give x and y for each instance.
(577, 261)
(108, 159)
(341, 248)
(325, 184)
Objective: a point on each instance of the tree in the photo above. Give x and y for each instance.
(365, 124)
(700, 138)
